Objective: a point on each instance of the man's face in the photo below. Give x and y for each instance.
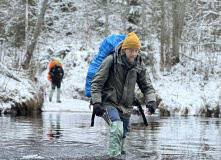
(57, 64)
(131, 53)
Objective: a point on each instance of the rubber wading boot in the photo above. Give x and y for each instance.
(51, 94)
(58, 95)
(122, 146)
(115, 140)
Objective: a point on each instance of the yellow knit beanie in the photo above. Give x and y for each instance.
(131, 41)
(58, 61)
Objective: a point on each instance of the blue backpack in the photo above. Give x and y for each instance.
(106, 48)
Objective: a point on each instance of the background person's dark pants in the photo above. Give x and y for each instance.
(53, 85)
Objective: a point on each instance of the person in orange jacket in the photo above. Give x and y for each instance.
(55, 76)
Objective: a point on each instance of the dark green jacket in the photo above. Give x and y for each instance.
(118, 89)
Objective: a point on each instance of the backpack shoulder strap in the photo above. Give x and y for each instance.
(139, 59)
(114, 63)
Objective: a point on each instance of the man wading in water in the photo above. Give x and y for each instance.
(113, 95)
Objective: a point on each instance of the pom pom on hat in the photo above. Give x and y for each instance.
(131, 41)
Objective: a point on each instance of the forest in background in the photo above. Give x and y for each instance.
(173, 33)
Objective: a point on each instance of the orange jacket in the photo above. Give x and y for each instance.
(52, 63)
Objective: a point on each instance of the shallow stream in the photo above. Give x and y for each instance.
(68, 135)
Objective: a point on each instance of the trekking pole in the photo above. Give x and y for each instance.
(142, 113)
(93, 114)
(92, 119)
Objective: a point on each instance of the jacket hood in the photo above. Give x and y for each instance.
(118, 48)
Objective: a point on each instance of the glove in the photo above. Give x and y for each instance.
(152, 106)
(136, 102)
(98, 110)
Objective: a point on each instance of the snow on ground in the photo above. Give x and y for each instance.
(14, 88)
(67, 105)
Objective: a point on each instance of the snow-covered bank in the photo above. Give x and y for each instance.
(184, 98)
(67, 105)
(17, 93)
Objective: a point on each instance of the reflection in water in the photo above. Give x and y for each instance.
(54, 131)
(63, 135)
(178, 138)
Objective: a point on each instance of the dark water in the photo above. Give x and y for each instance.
(66, 135)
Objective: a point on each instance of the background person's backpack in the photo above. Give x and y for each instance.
(106, 48)
(52, 63)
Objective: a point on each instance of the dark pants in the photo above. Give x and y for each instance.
(55, 84)
(112, 115)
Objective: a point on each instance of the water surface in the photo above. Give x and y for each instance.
(68, 135)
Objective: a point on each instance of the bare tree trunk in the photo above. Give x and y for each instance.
(178, 22)
(107, 15)
(1, 43)
(168, 36)
(31, 47)
(26, 24)
(124, 17)
(175, 33)
(162, 45)
(143, 20)
(168, 52)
